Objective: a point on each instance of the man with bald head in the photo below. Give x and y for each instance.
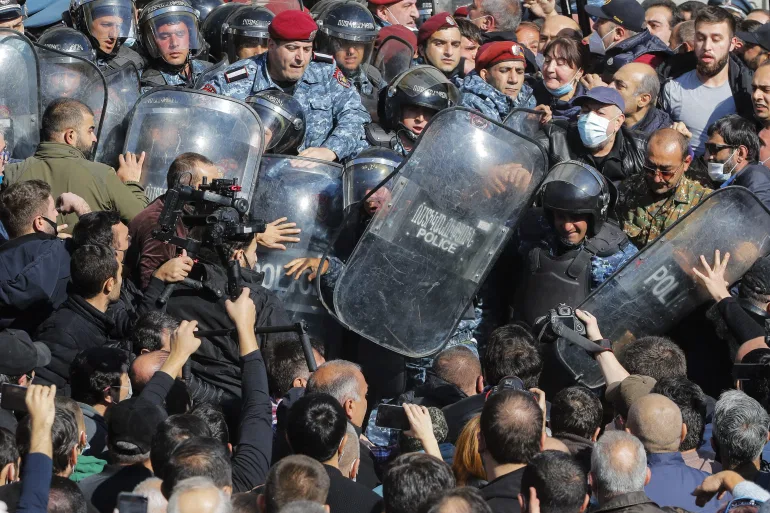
(657, 422)
(656, 198)
(551, 28)
(639, 85)
(198, 495)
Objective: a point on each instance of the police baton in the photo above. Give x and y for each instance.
(300, 328)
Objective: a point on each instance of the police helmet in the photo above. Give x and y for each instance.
(423, 86)
(68, 40)
(159, 13)
(246, 26)
(577, 188)
(12, 9)
(364, 172)
(425, 9)
(213, 28)
(120, 25)
(344, 24)
(204, 7)
(282, 117)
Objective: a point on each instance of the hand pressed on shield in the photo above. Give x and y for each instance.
(714, 278)
(547, 114)
(318, 153)
(130, 168)
(176, 269)
(277, 232)
(69, 203)
(299, 265)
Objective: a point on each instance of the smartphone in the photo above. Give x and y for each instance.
(393, 417)
(132, 503)
(13, 397)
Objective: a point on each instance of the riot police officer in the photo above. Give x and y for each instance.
(282, 118)
(68, 40)
(107, 23)
(333, 111)
(67, 75)
(170, 34)
(213, 29)
(347, 32)
(245, 32)
(569, 246)
(412, 99)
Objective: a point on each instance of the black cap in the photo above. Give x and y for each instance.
(134, 421)
(761, 37)
(19, 355)
(757, 278)
(626, 13)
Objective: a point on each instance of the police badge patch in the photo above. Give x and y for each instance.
(236, 75)
(341, 78)
(209, 88)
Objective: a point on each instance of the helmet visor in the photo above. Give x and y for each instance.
(350, 55)
(110, 22)
(428, 81)
(363, 175)
(577, 175)
(281, 133)
(172, 36)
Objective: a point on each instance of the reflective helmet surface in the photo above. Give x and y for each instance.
(69, 41)
(282, 118)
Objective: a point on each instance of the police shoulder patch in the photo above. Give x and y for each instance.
(341, 78)
(209, 88)
(323, 57)
(236, 75)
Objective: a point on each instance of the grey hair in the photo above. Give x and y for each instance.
(612, 470)
(343, 387)
(740, 427)
(507, 13)
(650, 84)
(303, 507)
(150, 488)
(197, 483)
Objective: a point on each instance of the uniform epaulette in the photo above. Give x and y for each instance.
(323, 57)
(236, 75)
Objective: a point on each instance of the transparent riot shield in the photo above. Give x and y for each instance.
(524, 121)
(122, 95)
(392, 57)
(167, 122)
(657, 288)
(308, 192)
(454, 204)
(63, 75)
(19, 94)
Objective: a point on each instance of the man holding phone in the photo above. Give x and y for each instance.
(19, 357)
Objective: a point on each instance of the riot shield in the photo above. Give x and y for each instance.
(657, 288)
(167, 122)
(448, 5)
(392, 57)
(19, 94)
(524, 121)
(454, 204)
(63, 75)
(309, 193)
(122, 94)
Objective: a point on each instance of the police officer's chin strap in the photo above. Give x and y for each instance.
(402, 129)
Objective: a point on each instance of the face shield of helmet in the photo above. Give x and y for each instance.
(241, 46)
(361, 177)
(173, 37)
(64, 81)
(110, 22)
(349, 54)
(281, 134)
(428, 87)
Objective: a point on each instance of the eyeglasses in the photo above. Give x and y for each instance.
(713, 148)
(664, 173)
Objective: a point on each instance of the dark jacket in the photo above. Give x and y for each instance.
(579, 447)
(634, 502)
(348, 496)
(34, 272)
(739, 77)
(654, 120)
(756, 178)
(217, 359)
(502, 494)
(631, 49)
(626, 158)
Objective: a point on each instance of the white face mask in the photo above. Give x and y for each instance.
(593, 129)
(717, 169)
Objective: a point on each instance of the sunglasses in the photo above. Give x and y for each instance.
(713, 148)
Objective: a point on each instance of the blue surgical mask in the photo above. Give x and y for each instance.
(716, 170)
(593, 129)
(563, 89)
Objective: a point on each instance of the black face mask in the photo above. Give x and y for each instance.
(53, 225)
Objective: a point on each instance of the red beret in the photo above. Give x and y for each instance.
(461, 12)
(398, 31)
(433, 24)
(498, 51)
(384, 2)
(293, 26)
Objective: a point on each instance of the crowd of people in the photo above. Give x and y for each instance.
(148, 365)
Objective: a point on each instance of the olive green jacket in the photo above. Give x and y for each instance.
(65, 169)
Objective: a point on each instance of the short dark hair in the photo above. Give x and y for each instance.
(692, 6)
(245, 502)
(95, 228)
(170, 434)
(285, 361)
(63, 114)
(692, 403)
(65, 497)
(411, 479)
(737, 131)
(511, 351)
(512, 426)
(9, 452)
(569, 49)
(90, 267)
(186, 164)
(712, 14)
(214, 418)
(657, 357)
(676, 16)
(294, 478)
(469, 30)
(94, 370)
(198, 457)
(471, 497)
(148, 331)
(576, 411)
(64, 434)
(22, 202)
(560, 482)
(316, 425)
